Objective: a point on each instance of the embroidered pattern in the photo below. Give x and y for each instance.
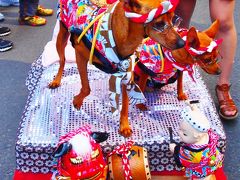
(150, 57)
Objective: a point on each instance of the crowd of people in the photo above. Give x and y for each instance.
(30, 13)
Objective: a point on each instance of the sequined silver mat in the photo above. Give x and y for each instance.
(50, 113)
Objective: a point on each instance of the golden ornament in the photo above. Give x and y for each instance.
(99, 3)
(211, 163)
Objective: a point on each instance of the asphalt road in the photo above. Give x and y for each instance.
(28, 45)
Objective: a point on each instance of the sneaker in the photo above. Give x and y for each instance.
(32, 21)
(4, 31)
(5, 45)
(1, 17)
(41, 11)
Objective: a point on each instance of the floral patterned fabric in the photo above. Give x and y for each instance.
(151, 59)
(191, 158)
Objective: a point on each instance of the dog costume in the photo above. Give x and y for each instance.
(166, 72)
(76, 15)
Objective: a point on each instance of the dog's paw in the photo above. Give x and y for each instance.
(125, 131)
(77, 102)
(54, 84)
(182, 97)
(142, 107)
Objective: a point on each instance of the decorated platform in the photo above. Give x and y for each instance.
(49, 113)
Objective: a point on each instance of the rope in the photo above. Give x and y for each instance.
(95, 39)
(124, 150)
(161, 55)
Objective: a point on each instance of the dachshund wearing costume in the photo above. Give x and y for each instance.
(122, 27)
(200, 48)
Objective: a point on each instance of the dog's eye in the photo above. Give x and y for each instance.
(207, 60)
(135, 4)
(160, 26)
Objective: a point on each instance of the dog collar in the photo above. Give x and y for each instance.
(166, 6)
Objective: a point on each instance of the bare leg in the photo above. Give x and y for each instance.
(125, 129)
(185, 10)
(62, 39)
(223, 11)
(82, 68)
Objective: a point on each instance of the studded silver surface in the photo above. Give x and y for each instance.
(49, 113)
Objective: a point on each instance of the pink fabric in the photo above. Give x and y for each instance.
(50, 55)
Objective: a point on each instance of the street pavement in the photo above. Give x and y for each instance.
(28, 46)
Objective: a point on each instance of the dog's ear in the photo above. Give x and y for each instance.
(132, 5)
(192, 38)
(213, 29)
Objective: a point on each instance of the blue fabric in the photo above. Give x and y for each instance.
(9, 2)
(28, 8)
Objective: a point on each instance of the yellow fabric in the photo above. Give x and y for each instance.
(44, 11)
(161, 55)
(34, 21)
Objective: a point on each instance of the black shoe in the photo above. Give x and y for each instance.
(4, 31)
(5, 45)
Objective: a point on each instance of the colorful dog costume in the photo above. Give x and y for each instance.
(162, 69)
(79, 14)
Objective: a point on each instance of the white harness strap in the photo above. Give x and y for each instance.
(116, 81)
(124, 76)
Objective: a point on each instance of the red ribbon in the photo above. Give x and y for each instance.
(123, 150)
(148, 17)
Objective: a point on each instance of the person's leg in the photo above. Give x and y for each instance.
(223, 11)
(185, 10)
(32, 7)
(28, 8)
(27, 13)
(22, 8)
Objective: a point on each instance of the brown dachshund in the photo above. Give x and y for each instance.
(127, 34)
(200, 49)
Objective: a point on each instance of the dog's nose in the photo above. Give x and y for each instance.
(180, 43)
